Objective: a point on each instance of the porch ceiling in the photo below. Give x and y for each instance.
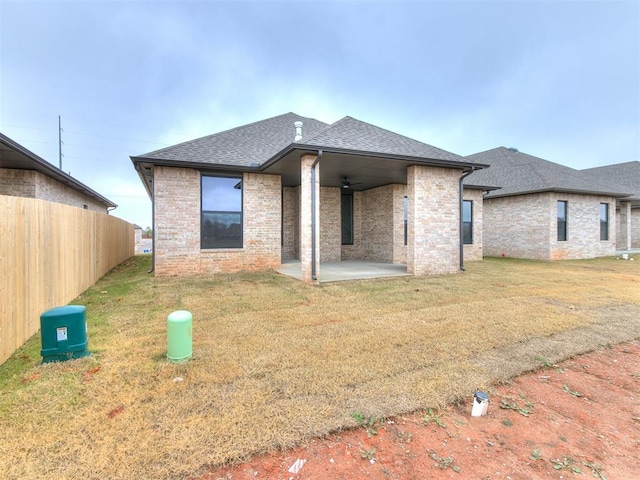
(364, 172)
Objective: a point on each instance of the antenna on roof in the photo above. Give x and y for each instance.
(60, 142)
(298, 126)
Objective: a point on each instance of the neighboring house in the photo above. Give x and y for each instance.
(137, 230)
(627, 175)
(294, 188)
(25, 174)
(544, 210)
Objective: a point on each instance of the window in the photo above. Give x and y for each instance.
(406, 218)
(347, 219)
(221, 217)
(467, 222)
(604, 221)
(562, 220)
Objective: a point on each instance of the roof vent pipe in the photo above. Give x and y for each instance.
(298, 126)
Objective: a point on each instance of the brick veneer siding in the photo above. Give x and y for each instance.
(32, 184)
(434, 207)
(628, 226)
(177, 225)
(399, 248)
(377, 224)
(635, 227)
(307, 256)
(290, 223)
(525, 226)
(330, 224)
(474, 251)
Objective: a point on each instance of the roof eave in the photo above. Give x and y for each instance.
(56, 173)
(561, 190)
(364, 153)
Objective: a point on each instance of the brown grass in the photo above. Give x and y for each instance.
(276, 362)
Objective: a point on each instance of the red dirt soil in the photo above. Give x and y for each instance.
(579, 419)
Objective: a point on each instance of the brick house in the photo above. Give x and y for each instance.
(25, 174)
(291, 187)
(627, 175)
(544, 210)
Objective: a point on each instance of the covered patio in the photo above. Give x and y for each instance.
(346, 270)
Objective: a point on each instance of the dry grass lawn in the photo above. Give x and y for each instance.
(276, 362)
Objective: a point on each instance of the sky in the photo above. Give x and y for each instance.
(556, 79)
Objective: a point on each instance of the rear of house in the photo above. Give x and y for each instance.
(292, 188)
(627, 177)
(544, 210)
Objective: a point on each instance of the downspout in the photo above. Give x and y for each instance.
(461, 190)
(314, 275)
(153, 229)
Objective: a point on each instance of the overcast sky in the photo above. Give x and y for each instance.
(555, 79)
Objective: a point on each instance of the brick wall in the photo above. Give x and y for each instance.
(330, 224)
(377, 224)
(474, 251)
(33, 184)
(434, 206)
(635, 227)
(525, 226)
(290, 223)
(177, 225)
(399, 248)
(623, 213)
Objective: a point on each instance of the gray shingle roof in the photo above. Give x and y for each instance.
(519, 173)
(352, 134)
(256, 143)
(627, 175)
(245, 146)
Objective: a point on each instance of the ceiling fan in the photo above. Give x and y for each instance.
(346, 184)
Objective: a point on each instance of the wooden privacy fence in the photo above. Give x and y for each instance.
(49, 254)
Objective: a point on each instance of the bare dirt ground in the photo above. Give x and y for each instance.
(578, 419)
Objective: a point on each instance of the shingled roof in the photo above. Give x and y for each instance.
(351, 134)
(246, 146)
(257, 143)
(627, 175)
(518, 173)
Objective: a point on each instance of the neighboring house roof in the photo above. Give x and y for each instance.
(518, 173)
(627, 175)
(15, 156)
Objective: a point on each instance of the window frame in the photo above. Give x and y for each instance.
(467, 240)
(604, 223)
(562, 222)
(405, 215)
(240, 242)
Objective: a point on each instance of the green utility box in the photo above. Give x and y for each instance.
(179, 336)
(64, 333)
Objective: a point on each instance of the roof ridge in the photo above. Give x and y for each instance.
(197, 139)
(322, 130)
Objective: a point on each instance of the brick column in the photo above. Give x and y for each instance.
(433, 220)
(305, 218)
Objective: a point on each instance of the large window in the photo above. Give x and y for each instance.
(467, 222)
(406, 219)
(562, 220)
(604, 221)
(347, 219)
(221, 218)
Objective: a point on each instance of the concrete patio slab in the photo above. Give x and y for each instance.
(346, 270)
